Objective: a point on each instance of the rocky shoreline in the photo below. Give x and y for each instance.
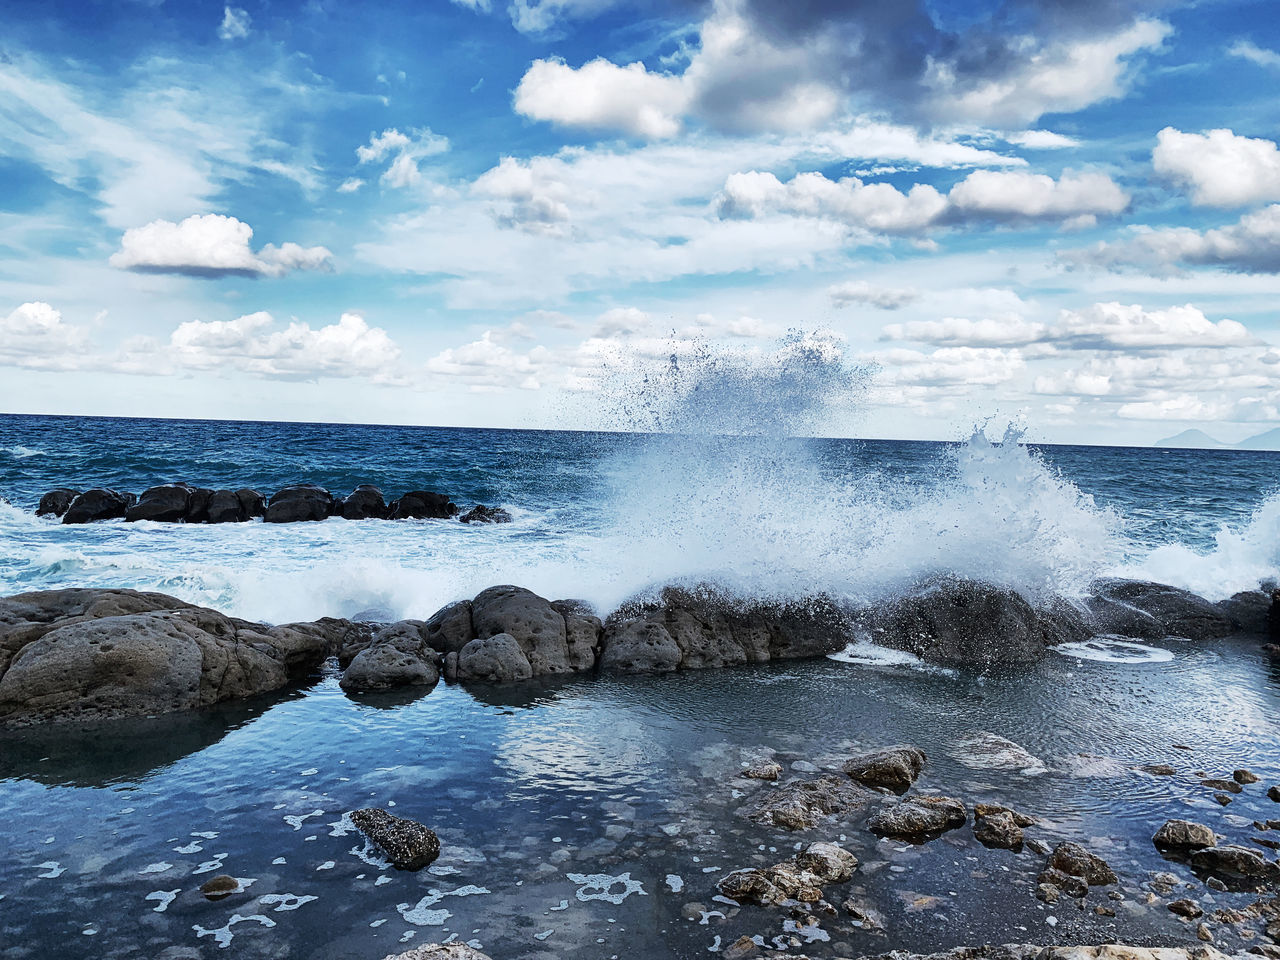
(89, 654)
(185, 503)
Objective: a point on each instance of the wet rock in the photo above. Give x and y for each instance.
(800, 878)
(1184, 836)
(763, 771)
(299, 503)
(1228, 786)
(365, 502)
(1075, 860)
(98, 504)
(1118, 606)
(1238, 867)
(1048, 893)
(219, 887)
(958, 622)
(988, 751)
(440, 951)
(406, 843)
(999, 830)
(225, 506)
(827, 861)
(398, 656)
(1222, 798)
(198, 506)
(639, 646)
(583, 632)
(254, 503)
(449, 628)
(1158, 769)
(895, 768)
(744, 946)
(864, 916)
(55, 502)
(167, 503)
(917, 817)
(1249, 611)
(535, 624)
(482, 514)
(803, 804)
(494, 659)
(1273, 793)
(1244, 776)
(422, 505)
(1060, 882)
(1188, 909)
(1108, 951)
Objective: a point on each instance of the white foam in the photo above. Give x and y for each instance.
(1114, 650)
(600, 886)
(675, 882)
(163, 898)
(223, 935)
(53, 869)
(868, 654)
(22, 453)
(285, 901)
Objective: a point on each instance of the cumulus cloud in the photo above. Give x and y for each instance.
(35, 336)
(1220, 168)
(255, 344)
(1014, 194)
(488, 364)
(883, 298)
(404, 150)
(949, 366)
(603, 95)
(530, 195)
(1251, 245)
(235, 24)
(958, 331)
(1041, 140)
(211, 245)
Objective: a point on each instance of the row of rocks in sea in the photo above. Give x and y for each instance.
(82, 653)
(184, 503)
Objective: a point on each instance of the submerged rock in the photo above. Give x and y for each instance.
(56, 502)
(989, 751)
(482, 514)
(895, 768)
(1076, 861)
(1239, 868)
(803, 804)
(98, 504)
(440, 951)
(406, 843)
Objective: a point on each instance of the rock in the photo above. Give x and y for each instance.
(958, 622)
(1075, 860)
(482, 514)
(225, 507)
(365, 502)
(639, 646)
(1118, 605)
(1273, 793)
(895, 768)
(800, 878)
(1223, 798)
(98, 504)
(1183, 836)
(449, 628)
(763, 771)
(1204, 933)
(1158, 769)
(992, 809)
(803, 804)
(298, 503)
(254, 503)
(1062, 882)
(101, 654)
(864, 916)
(198, 509)
(1238, 867)
(440, 951)
(220, 887)
(534, 623)
(917, 817)
(1048, 893)
(1230, 786)
(999, 830)
(56, 502)
(987, 751)
(398, 656)
(493, 659)
(1244, 776)
(422, 505)
(1108, 951)
(167, 503)
(827, 861)
(406, 843)
(1185, 908)
(743, 947)
(1249, 611)
(583, 631)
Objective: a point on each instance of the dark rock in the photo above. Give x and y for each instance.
(999, 830)
(56, 502)
(1184, 835)
(449, 628)
(493, 659)
(167, 503)
(1075, 860)
(398, 656)
(639, 646)
(98, 504)
(482, 514)
(895, 768)
(365, 502)
(583, 632)
(1186, 908)
(1249, 611)
(225, 507)
(298, 503)
(763, 771)
(406, 843)
(201, 499)
(798, 879)
(803, 804)
(422, 505)
(1158, 769)
(1244, 776)
(441, 951)
(917, 817)
(1177, 613)
(1230, 786)
(254, 503)
(1273, 793)
(1238, 867)
(220, 887)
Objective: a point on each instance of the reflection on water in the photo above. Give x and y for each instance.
(546, 793)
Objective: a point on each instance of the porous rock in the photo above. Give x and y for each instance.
(894, 768)
(406, 843)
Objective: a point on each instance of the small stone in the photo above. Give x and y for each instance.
(765, 771)
(1047, 893)
(1204, 933)
(693, 911)
(406, 843)
(1186, 908)
(1072, 886)
(998, 830)
(896, 768)
(1213, 883)
(1073, 859)
(1222, 798)
(1184, 835)
(744, 946)
(216, 888)
(1158, 769)
(1230, 786)
(1274, 794)
(1244, 776)
(1104, 911)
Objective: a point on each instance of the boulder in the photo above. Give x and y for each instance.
(1249, 610)
(55, 502)
(1182, 836)
(201, 500)
(1076, 861)
(482, 514)
(98, 504)
(493, 659)
(803, 804)
(998, 829)
(1176, 612)
(449, 628)
(406, 843)
(254, 503)
(639, 646)
(225, 506)
(440, 951)
(1239, 868)
(917, 817)
(534, 623)
(582, 633)
(167, 503)
(799, 879)
(398, 656)
(958, 622)
(895, 768)
(422, 505)
(300, 502)
(828, 862)
(365, 502)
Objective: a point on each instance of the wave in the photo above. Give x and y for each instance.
(22, 453)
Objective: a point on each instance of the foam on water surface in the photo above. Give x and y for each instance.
(1114, 650)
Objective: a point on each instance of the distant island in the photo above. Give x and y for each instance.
(1199, 440)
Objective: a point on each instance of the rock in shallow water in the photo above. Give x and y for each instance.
(406, 843)
(397, 656)
(1182, 836)
(494, 659)
(803, 804)
(298, 503)
(917, 817)
(1075, 860)
(895, 768)
(440, 951)
(482, 514)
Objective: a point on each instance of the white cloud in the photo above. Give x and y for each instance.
(211, 245)
(602, 95)
(489, 364)
(1251, 245)
(949, 366)
(1116, 326)
(350, 185)
(622, 322)
(533, 197)
(1220, 168)
(1014, 194)
(957, 331)
(1249, 50)
(405, 150)
(1041, 140)
(859, 291)
(35, 336)
(235, 24)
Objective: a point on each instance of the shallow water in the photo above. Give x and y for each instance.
(531, 785)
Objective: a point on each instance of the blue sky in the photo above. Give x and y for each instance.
(1066, 211)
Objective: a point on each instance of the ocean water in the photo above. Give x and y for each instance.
(600, 516)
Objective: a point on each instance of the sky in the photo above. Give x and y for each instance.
(470, 212)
